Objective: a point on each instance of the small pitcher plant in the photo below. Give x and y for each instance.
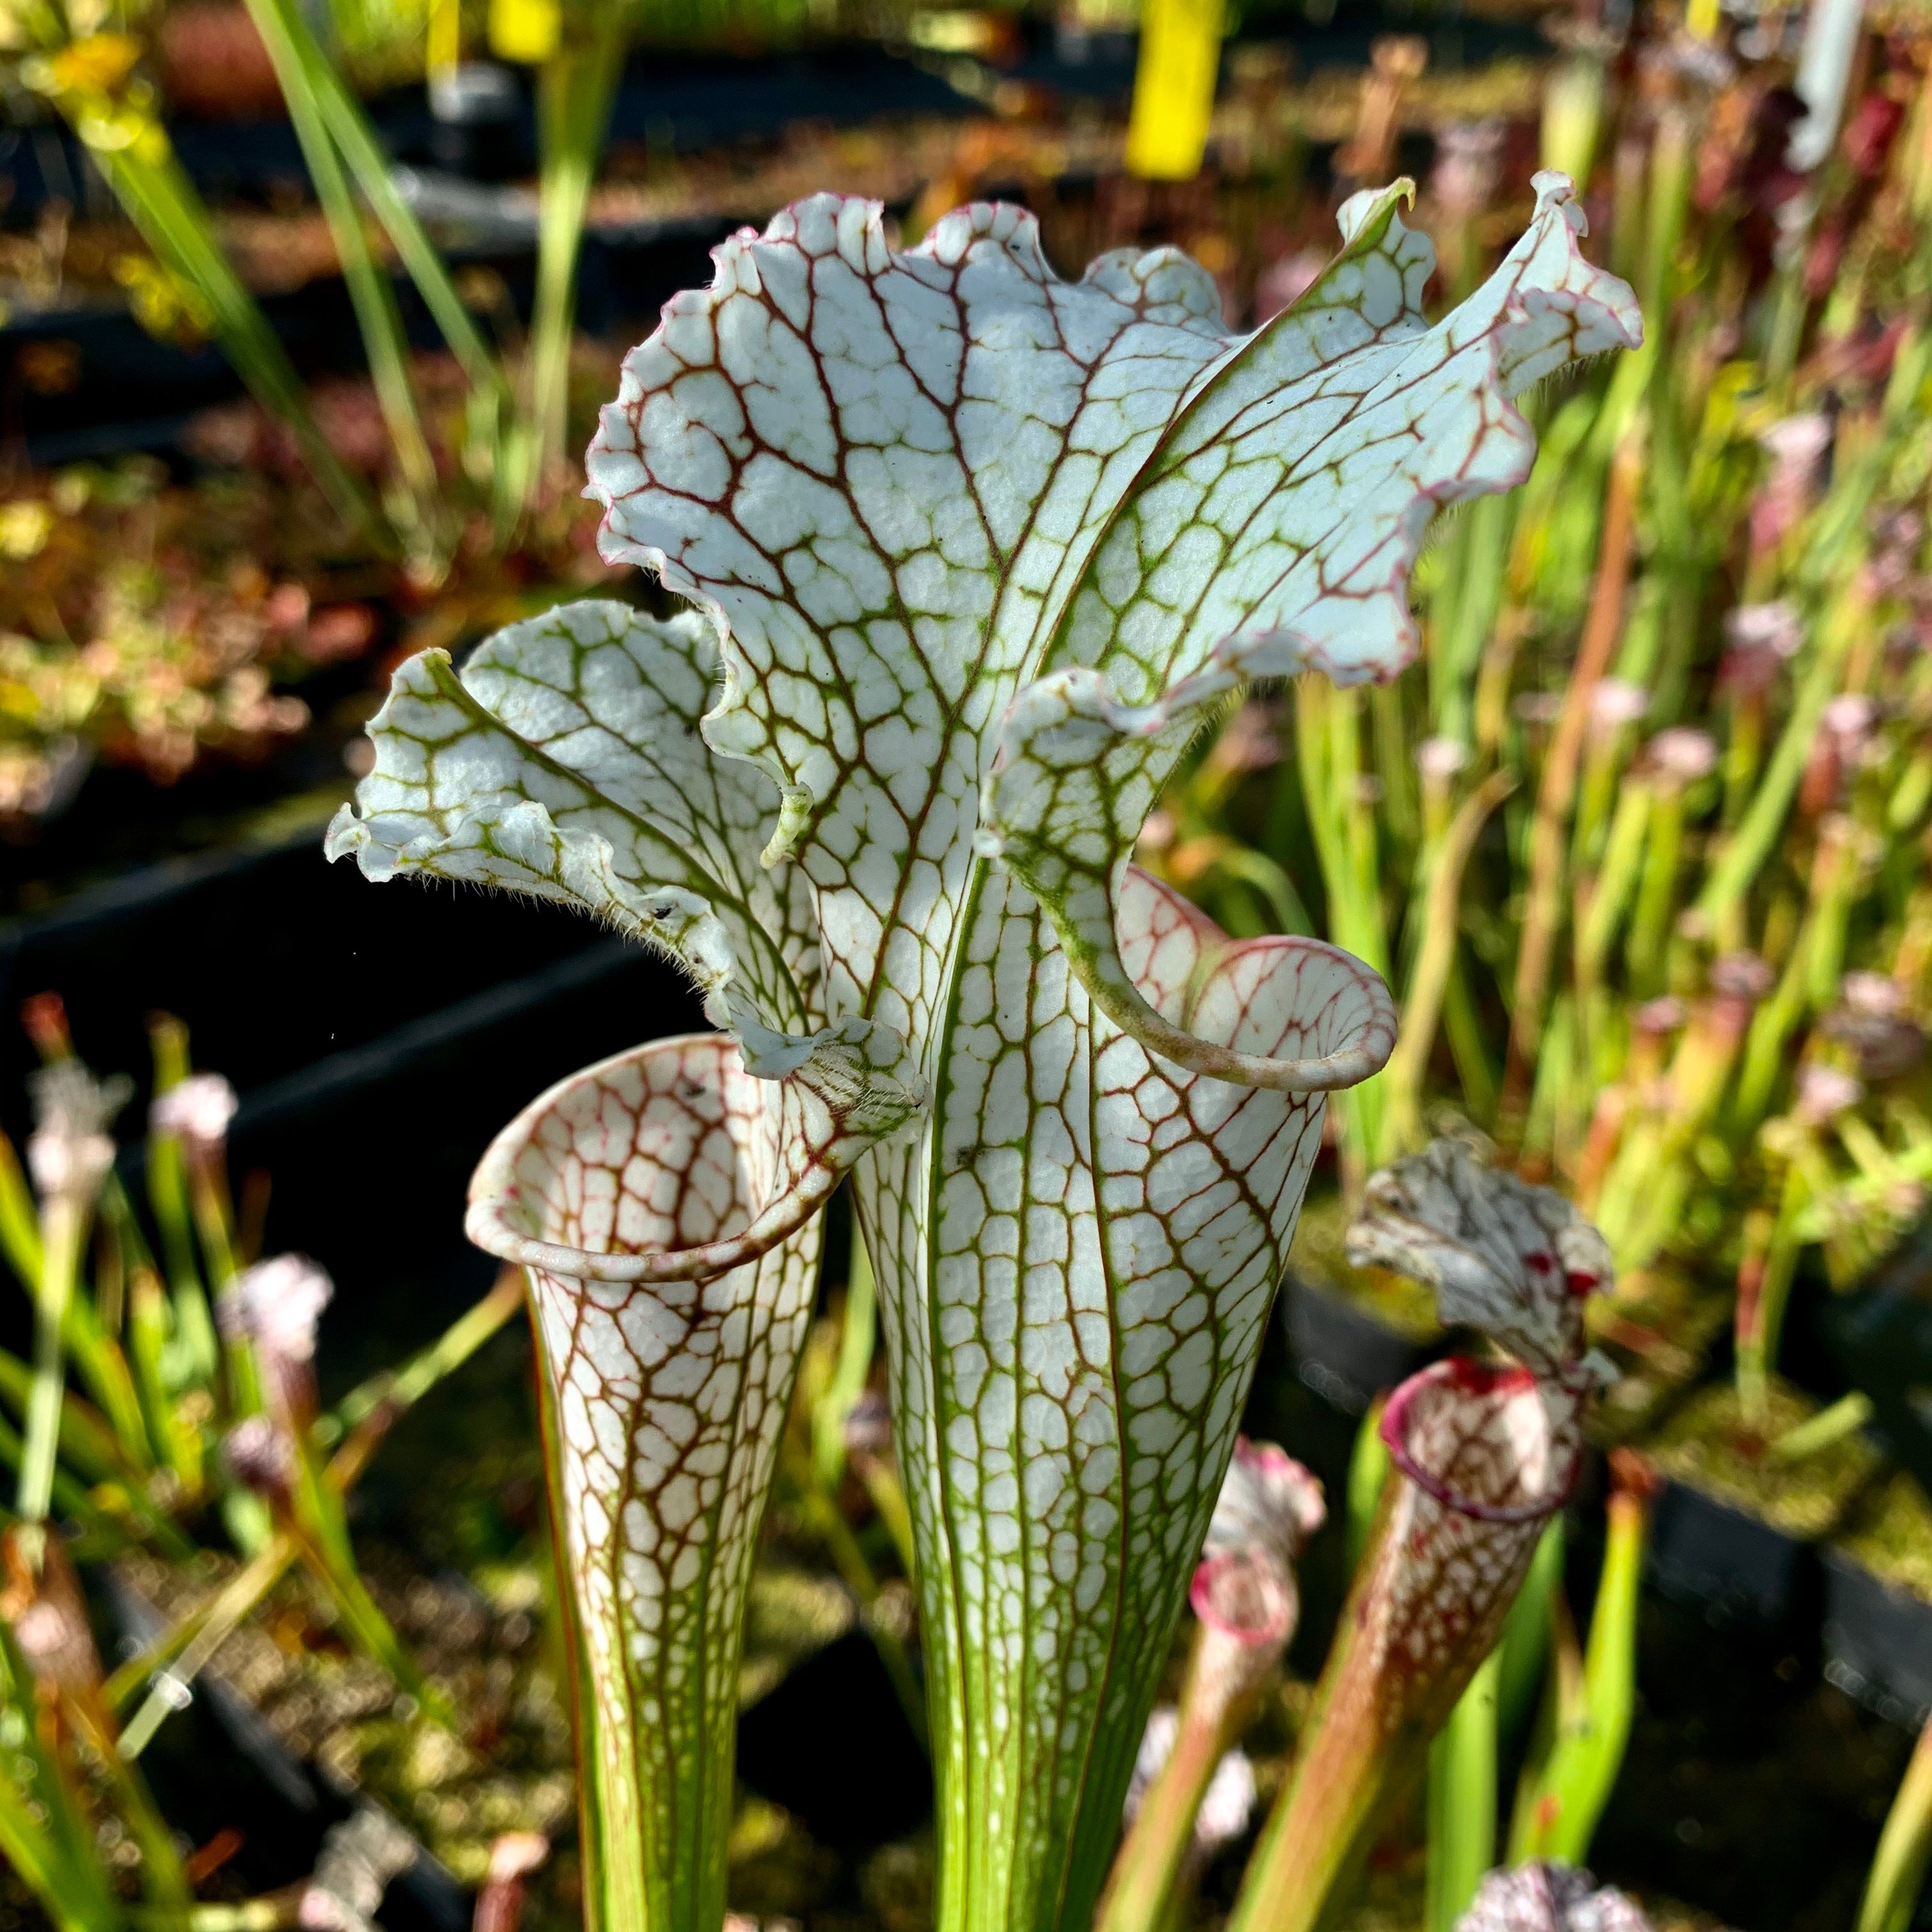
(975, 554)
(1483, 1455)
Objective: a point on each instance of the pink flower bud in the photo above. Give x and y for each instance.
(1872, 993)
(1157, 834)
(1438, 760)
(513, 1856)
(1796, 442)
(1872, 1021)
(70, 1150)
(1614, 703)
(869, 1425)
(196, 1110)
(1850, 719)
(1796, 446)
(276, 1305)
(1683, 754)
(257, 1452)
(1824, 1092)
(1248, 742)
(1659, 1017)
(1740, 976)
(1759, 639)
(1774, 628)
(1282, 283)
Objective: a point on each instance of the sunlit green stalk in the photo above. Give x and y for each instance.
(1468, 604)
(491, 431)
(1762, 1300)
(103, 1368)
(369, 294)
(1369, 1465)
(1525, 1649)
(1272, 882)
(1832, 1423)
(1342, 822)
(45, 1833)
(64, 1224)
(857, 1341)
(1560, 1800)
(1443, 866)
(71, 1498)
(19, 1218)
(574, 92)
(1572, 113)
(1745, 852)
(276, 1912)
(191, 1645)
(1557, 789)
(1834, 873)
(1898, 1868)
(134, 154)
(1461, 1801)
(1616, 879)
(1673, 166)
(1557, 1078)
(1656, 890)
(88, 1447)
(168, 1198)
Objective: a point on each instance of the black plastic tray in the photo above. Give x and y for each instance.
(1341, 1351)
(1878, 1642)
(1734, 1568)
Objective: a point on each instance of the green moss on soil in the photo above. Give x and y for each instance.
(1708, 1446)
(1890, 1532)
(1318, 1255)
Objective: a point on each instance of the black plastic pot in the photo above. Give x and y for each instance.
(1878, 1641)
(1882, 1335)
(1341, 1352)
(1736, 1569)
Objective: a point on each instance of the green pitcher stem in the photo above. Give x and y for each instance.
(1053, 1541)
(657, 1754)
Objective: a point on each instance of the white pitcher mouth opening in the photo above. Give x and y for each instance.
(1482, 1440)
(658, 1164)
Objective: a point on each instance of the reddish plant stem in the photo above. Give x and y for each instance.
(1556, 795)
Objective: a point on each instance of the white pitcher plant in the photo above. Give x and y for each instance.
(974, 552)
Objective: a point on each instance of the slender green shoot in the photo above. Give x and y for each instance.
(1898, 1874)
(1462, 1800)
